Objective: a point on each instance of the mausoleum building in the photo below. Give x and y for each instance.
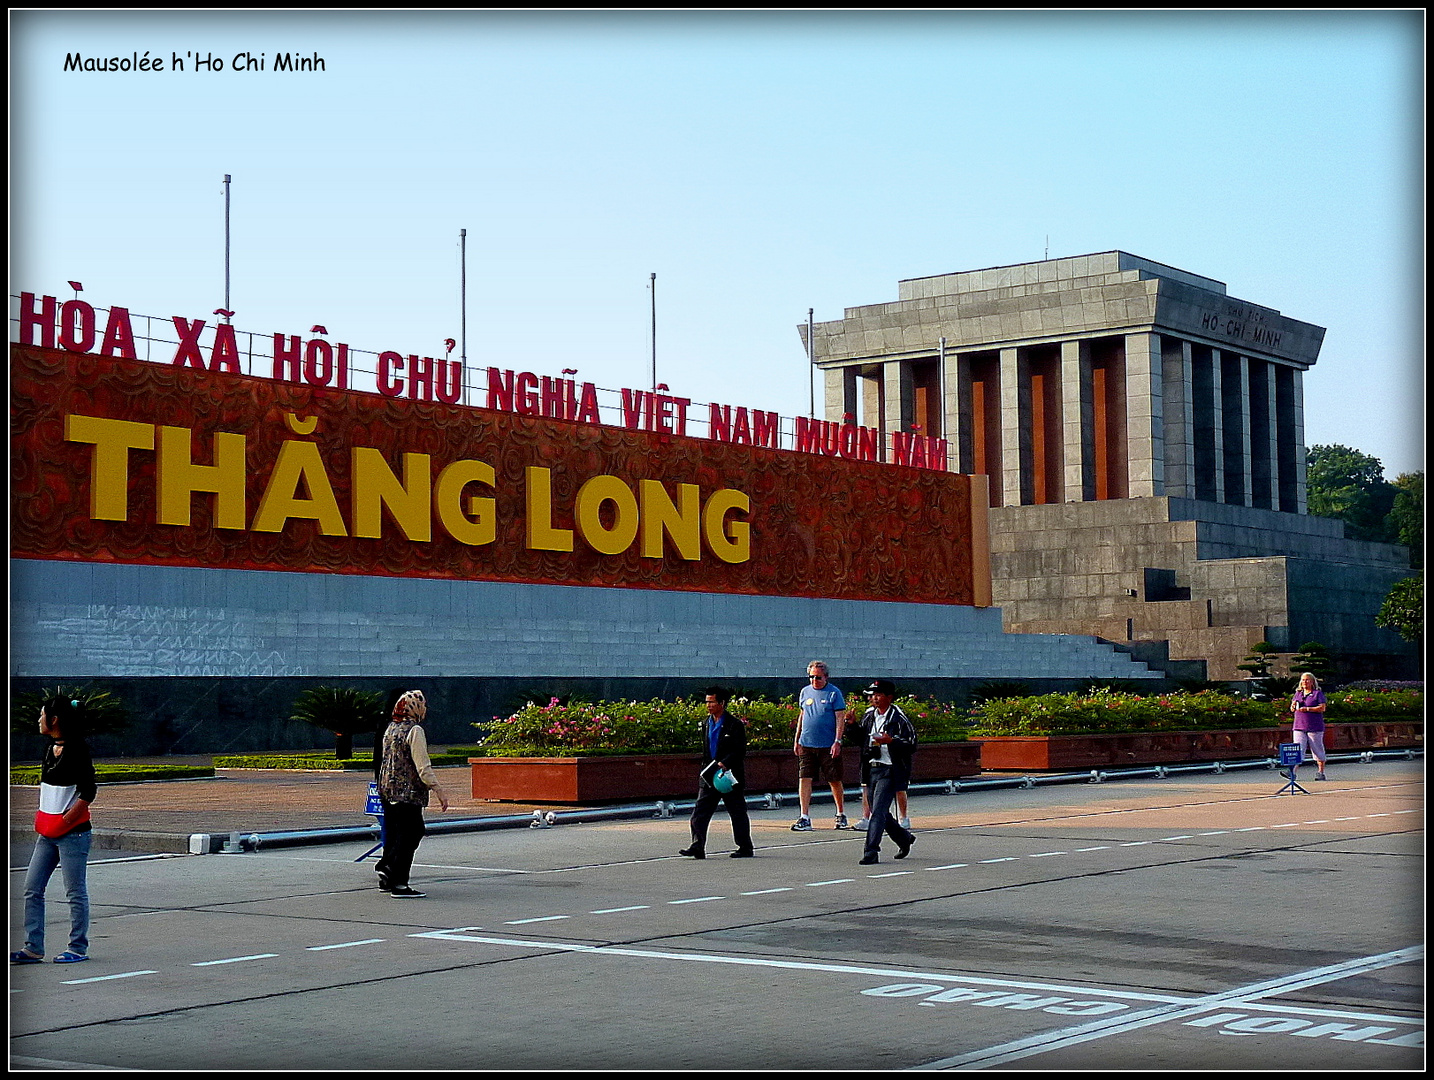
(1143, 432)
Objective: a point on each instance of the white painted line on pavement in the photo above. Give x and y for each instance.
(833, 881)
(540, 918)
(235, 959)
(107, 978)
(800, 965)
(1099, 1029)
(614, 910)
(346, 944)
(764, 892)
(697, 900)
(948, 866)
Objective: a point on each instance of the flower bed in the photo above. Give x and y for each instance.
(583, 780)
(1109, 712)
(671, 727)
(1058, 752)
(614, 750)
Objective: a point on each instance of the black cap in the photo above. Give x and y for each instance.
(882, 686)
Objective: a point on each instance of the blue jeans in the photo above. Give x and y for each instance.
(71, 853)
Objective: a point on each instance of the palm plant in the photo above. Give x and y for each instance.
(342, 710)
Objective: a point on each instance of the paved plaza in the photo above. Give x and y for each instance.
(1195, 922)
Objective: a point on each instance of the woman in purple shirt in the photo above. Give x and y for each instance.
(1308, 707)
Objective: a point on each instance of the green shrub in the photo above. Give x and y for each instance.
(119, 773)
(1347, 704)
(671, 727)
(1104, 712)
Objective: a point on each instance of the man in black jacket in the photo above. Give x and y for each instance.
(892, 742)
(725, 744)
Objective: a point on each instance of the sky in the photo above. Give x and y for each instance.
(760, 164)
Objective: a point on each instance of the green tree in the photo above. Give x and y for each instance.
(342, 710)
(1314, 658)
(1258, 663)
(104, 713)
(1406, 519)
(1347, 484)
(1403, 609)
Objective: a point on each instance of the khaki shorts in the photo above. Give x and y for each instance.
(817, 763)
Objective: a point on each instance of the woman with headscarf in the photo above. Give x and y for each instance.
(1308, 705)
(405, 777)
(62, 827)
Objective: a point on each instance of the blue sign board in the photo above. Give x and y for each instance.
(1290, 754)
(375, 805)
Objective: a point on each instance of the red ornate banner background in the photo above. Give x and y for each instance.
(820, 527)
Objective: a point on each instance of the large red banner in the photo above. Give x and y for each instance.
(116, 460)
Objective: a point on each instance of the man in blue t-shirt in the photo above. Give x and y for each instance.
(817, 744)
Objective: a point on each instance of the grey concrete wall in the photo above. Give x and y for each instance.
(96, 619)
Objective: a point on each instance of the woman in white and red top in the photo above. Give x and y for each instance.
(1308, 706)
(62, 828)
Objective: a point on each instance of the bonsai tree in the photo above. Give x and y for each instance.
(342, 710)
(1258, 663)
(104, 713)
(1314, 658)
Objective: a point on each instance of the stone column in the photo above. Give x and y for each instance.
(1144, 403)
(1179, 418)
(951, 420)
(1235, 405)
(1217, 425)
(895, 390)
(871, 399)
(1300, 465)
(834, 396)
(1013, 433)
(1076, 418)
(1272, 433)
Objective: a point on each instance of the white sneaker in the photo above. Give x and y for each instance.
(803, 824)
(862, 824)
(905, 822)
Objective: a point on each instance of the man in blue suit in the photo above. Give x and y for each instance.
(724, 743)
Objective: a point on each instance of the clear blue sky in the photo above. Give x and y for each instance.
(759, 164)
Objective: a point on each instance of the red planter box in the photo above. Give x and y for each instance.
(1054, 752)
(587, 780)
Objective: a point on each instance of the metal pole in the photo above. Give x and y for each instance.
(653, 286)
(463, 307)
(811, 373)
(227, 305)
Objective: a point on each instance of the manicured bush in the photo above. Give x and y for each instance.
(119, 773)
(1105, 712)
(576, 728)
(457, 755)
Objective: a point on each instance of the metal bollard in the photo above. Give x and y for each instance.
(774, 801)
(1097, 777)
(953, 787)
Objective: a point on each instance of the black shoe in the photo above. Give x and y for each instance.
(405, 892)
(741, 853)
(693, 852)
(384, 884)
(868, 860)
(903, 850)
